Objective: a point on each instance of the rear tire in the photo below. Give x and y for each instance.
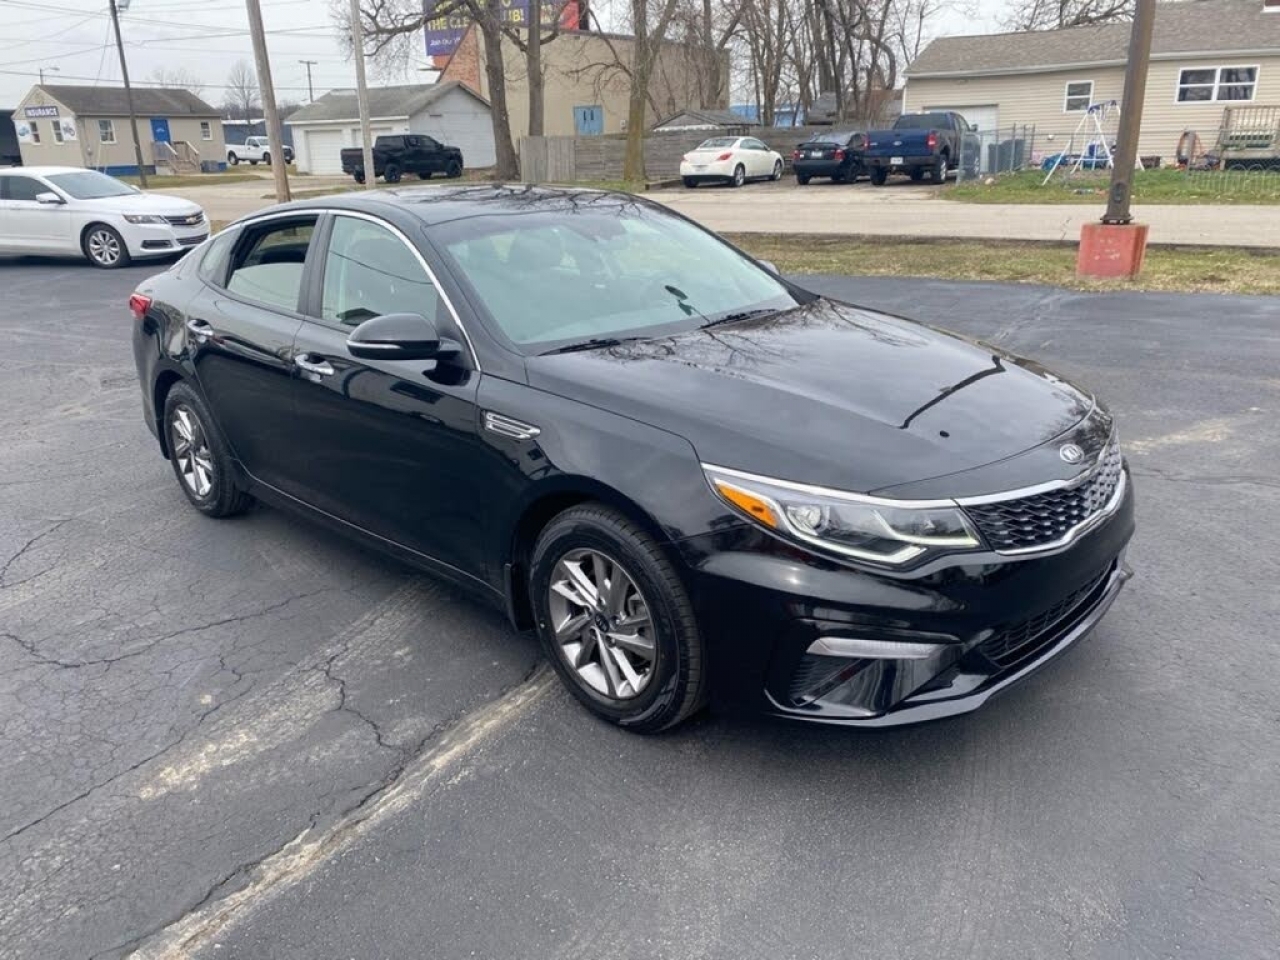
(358, 176)
(739, 176)
(917, 174)
(391, 174)
(938, 174)
(424, 176)
(199, 456)
(777, 170)
(655, 676)
(267, 159)
(233, 159)
(879, 176)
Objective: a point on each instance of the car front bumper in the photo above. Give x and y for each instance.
(794, 635)
(162, 239)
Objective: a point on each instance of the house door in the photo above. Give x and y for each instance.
(588, 121)
(160, 130)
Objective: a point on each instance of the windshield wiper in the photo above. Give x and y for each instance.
(740, 315)
(595, 343)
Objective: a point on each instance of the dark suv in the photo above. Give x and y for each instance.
(696, 480)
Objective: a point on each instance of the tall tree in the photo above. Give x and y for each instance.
(179, 78)
(1055, 14)
(241, 99)
(650, 20)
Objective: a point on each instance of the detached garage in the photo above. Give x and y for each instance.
(451, 112)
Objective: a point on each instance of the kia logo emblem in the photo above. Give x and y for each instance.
(1070, 453)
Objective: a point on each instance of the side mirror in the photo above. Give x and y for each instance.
(50, 198)
(399, 336)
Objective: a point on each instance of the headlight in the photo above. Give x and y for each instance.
(142, 218)
(849, 524)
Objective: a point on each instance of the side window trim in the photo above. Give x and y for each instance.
(247, 230)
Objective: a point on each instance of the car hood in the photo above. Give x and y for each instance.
(156, 203)
(827, 394)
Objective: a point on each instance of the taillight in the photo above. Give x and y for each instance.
(796, 154)
(725, 156)
(139, 304)
(932, 140)
(839, 154)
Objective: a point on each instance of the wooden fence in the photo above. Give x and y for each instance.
(573, 159)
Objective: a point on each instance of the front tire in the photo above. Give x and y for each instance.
(615, 620)
(358, 176)
(105, 248)
(454, 171)
(802, 179)
(199, 456)
(739, 176)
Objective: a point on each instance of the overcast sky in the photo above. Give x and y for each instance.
(206, 38)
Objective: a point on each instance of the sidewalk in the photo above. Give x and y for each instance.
(862, 210)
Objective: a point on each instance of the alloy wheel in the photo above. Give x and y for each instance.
(191, 452)
(104, 247)
(602, 625)
(739, 176)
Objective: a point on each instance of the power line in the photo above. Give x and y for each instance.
(177, 86)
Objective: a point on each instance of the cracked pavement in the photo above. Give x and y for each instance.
(253, 739)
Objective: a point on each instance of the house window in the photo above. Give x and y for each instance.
(1205, 84)
(206, 130)
(35, 131)
(107, 131)
(57, 131)
(1078, 96)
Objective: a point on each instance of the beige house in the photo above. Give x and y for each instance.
(1205, 55)
(585, 90)
(75, 126)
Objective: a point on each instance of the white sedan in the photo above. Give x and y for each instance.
(68, 210)
(732, 160)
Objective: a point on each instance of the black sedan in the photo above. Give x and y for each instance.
(696, 480)
(835, 155)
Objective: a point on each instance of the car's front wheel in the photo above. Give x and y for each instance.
(454, 171)
(615, 620)
(199, 456)
(105, 248)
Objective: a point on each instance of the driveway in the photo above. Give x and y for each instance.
(251, 739)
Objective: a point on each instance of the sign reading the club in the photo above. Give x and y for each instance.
(32, 113)
(444, 33)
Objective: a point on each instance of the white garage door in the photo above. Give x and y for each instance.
(324, 150)
(985, 118)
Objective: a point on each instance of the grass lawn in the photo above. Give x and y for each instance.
(1186, 269)
(1149, 186)
(194, 180)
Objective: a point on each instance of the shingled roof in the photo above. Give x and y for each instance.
(384, 102)
(111, 102)
(1189, 27)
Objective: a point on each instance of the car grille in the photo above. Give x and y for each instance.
(1018, 641)
(187, 220)
(1027, 523)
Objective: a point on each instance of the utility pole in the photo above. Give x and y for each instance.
(275, 136)
(362, 96)
(128, 94)
(1135, 92)
(311, 93)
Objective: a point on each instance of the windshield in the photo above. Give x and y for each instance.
(90, 185)
(717, 143)
(920, 121)
(608, 271)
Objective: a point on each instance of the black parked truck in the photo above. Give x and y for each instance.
(397, 154)
(920, 143)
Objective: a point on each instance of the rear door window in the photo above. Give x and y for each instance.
(268, 264)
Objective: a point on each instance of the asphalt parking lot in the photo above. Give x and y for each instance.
(250, 739)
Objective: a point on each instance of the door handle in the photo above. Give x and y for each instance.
(199, 329)
(321, 368)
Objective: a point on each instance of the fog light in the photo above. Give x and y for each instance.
(856, 647)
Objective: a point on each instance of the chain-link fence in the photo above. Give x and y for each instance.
(987, 153)
(1239, 181)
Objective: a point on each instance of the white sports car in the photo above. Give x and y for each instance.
(732, 160)
(68, 210)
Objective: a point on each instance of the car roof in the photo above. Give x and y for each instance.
(444, 203)
(44, 171)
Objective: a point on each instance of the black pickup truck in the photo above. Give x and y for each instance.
(401, 153)
(920, 143)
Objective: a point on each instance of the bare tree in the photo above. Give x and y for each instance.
(1054, 14)
(178, 78)
(241, 99)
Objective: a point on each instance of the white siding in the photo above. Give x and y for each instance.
(459, 120)
(317, 146)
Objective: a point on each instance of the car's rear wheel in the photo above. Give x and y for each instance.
(358, 176)
(615, 620)
(391, 174)
(424, 175)
(690, 183)
(802, 179)
(105, 248)
(454, 171)
(739, 175)
(939, 172)
(266, 158)
(879, 176)
(917, 174)
(777, 170)
(199, 456)
(233, 159)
